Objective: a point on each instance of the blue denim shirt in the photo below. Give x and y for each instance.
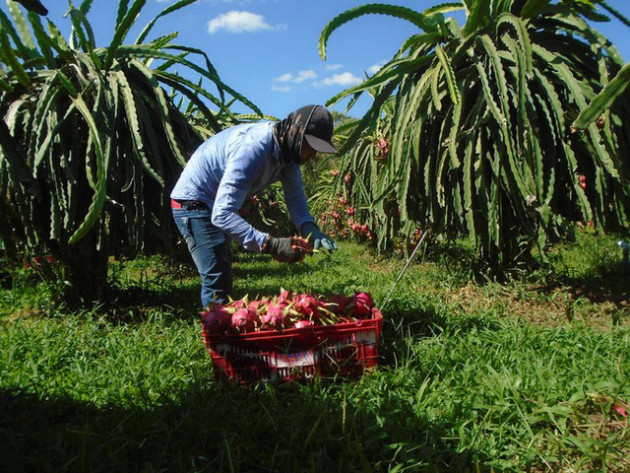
(233, 164)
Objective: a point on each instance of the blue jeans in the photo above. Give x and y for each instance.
(210, 250)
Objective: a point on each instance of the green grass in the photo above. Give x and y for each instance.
(514, 377)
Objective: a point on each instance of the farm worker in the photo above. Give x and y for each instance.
(238, 162)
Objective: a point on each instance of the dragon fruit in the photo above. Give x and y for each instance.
(361, 305)
(244, 321)
(238, 304)
(288, 310)
(259, 305)
(216, 319)
(275, 316)
(285, 297)
(307, 305)
(303, 324)
(338, 304)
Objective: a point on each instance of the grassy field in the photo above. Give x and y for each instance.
(531, 375)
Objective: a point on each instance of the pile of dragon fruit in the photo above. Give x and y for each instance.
(287, 310)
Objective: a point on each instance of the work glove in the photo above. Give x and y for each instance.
(317, 238)
(283, 250)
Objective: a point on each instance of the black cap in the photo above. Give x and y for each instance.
(319, 130)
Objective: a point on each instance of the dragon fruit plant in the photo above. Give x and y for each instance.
(285, 311)
(340, 220)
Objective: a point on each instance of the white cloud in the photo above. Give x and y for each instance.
(283, 83)
(345, 79)
(238, 22)
(305, 75)
(333, 67)
(376, 67)
(288, 77)
(298, 78)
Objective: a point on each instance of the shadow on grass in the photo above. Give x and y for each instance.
(223, 428)
(264, 269)
(133, 303)
(407, 321)
(605, 283)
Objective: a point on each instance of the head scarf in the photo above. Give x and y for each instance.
(290, 133)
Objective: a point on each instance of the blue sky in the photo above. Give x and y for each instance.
(267, 49)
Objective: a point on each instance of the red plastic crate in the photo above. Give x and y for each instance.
(345, 349)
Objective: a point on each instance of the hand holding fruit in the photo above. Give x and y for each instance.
(318, 238)
(288, 250)
(302, 245)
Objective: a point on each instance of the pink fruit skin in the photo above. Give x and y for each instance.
(303, 324)
(282, 312)
(284, 297)
(307, 305)
(216, 320)
(244, 320)
(361, 305)
(257, 306)
(338, 304)
(274, 317)
(237, 304)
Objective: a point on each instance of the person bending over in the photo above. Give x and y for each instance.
(234, 164)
